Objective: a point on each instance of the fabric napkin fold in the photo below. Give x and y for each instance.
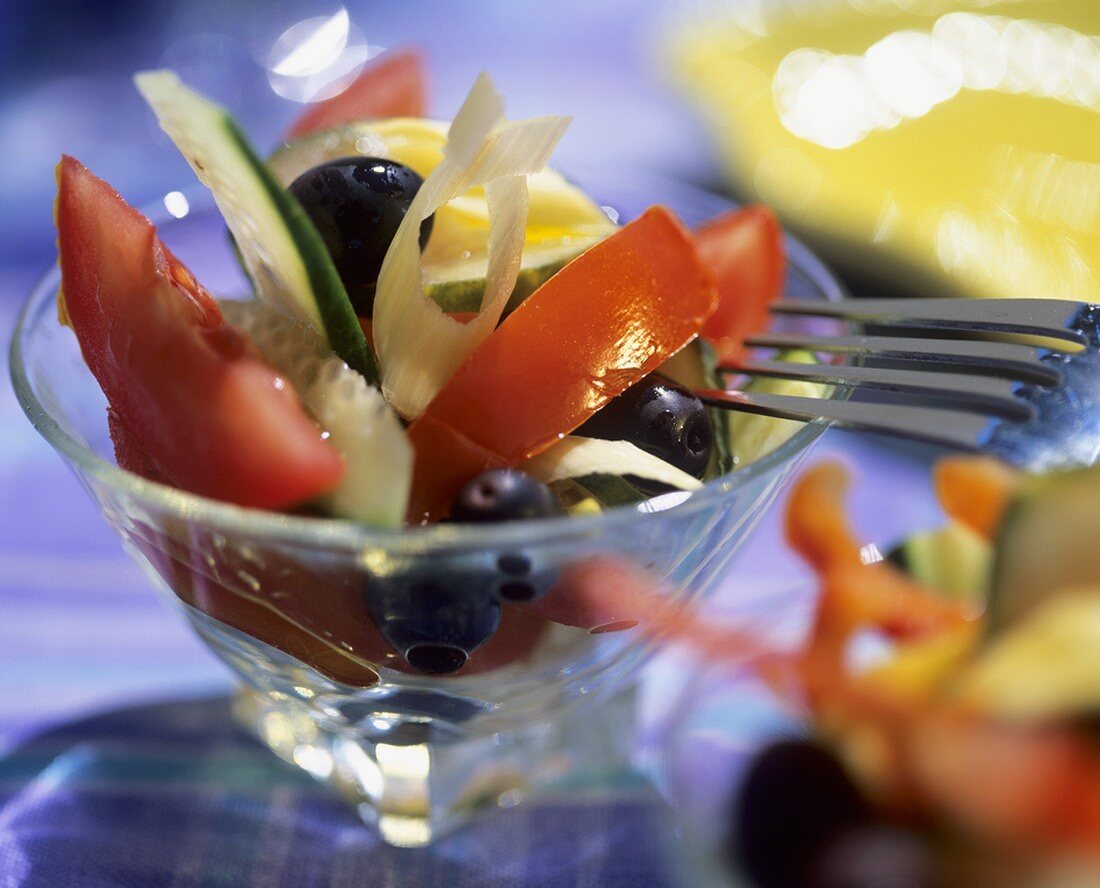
(176, 793)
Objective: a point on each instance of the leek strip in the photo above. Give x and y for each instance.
(576, 457)
(418, 345)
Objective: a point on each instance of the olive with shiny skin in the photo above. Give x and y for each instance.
(357, 204)
(503, 495)
(434, 618)
(660, 417)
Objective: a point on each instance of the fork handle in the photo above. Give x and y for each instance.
(1053, 318)
(956, 429)
(1007, 359)
(996, 397)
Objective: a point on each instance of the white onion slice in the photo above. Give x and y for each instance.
(575, 457)
(418, 346)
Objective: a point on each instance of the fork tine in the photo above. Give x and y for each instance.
(1053, 318)
(990, 395)
(1003, 358)
(949, 428)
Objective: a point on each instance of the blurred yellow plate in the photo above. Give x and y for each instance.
(952, 146)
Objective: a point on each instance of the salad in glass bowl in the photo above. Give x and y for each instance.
(393, 477)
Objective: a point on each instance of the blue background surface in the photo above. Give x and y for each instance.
(169, 792)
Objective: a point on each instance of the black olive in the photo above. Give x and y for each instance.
(660, 417)
(795, 799)
(357, 204)
(503, 495)
(436, 618)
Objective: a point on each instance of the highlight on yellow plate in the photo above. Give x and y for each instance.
(952, 146)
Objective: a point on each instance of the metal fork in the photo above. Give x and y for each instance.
(952, 378)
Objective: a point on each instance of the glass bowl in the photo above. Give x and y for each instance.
(717, 718)
(293, 604)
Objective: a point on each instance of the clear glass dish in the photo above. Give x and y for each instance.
(283, 599)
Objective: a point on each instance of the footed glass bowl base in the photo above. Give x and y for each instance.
(420, 787)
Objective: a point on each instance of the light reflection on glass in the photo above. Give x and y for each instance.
(310, 45)
(317, 58)
(314, 760)
(175, 202)
(664, 501)
(870, 554)
(361, 769)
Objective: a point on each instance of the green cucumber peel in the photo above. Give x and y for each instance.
(341, 324)
(610, 490)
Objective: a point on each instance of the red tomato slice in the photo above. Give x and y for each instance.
(596, 327)
(190, 403)
(129, 453)
(600, 594)
(744, 250)
(392, 86)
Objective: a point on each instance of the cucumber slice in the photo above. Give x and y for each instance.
(557, 208)
(360, 424)
(752, 436)
(952, 559)
(459, 286)
(1049, 540)
(1044, 666)
(416, 143)
(611, 490)
(562, 221)
(282, 251)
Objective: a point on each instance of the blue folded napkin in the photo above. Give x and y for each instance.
(177, 794)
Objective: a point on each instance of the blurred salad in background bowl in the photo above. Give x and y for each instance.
(925, 718)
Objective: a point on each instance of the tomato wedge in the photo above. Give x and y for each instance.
(392, 86)
(599, 325)
(190, 404)
(744, 250)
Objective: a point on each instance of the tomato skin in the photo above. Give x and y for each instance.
(607, 319)
(190, 403)
(129, 454)
(599, 594)
(745, 252)
(392, 86)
